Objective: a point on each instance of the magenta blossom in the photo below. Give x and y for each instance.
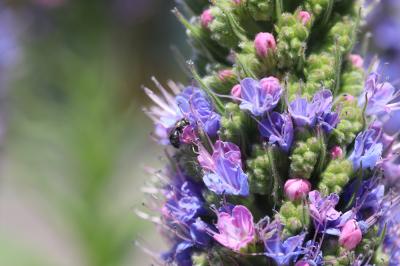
(236, 230)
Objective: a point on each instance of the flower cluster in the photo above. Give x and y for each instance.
(278, 156)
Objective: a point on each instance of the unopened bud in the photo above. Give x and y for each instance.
(350, 235)
(264, 43)
(236, 91)
(270, 84)
(226, 74)
(304, 17)
(206, 18)
(336, 152)
(297, 188)
(356, 60)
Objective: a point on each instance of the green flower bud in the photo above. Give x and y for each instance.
(225, 29)
(260, 174)
(304, 157)
(294, 216)
(352, 80)
(351, 121)
(222, 81)
(292, 38)
(317, 7)
(261, 10)
(236, 125)
(342, 35)
(319, 73)
(336, 175)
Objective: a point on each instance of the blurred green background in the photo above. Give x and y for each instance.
(74, 141)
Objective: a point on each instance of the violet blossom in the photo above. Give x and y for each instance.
(378, 96)
(316, 112)
(278, 128)
(224, 173)
(322, 209)
(283, 252)
(260, 97)
(198, 109)
(367, 151)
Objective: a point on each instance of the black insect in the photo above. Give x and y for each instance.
(175, 133)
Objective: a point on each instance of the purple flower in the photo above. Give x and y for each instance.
(165, 113)
(224, 169)
(185, 204)
(227, 178)
(236, 230)
(391, 244)
(312, 255)
(226, 150)
(316, 112)
(197, 108)
(322, 209)
(391, 170)
(366, 151)
(196, 236)
(278, 128)
(260, 97)
(283, 252)
(378, 96)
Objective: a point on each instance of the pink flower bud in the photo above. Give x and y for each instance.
(349, 97)
(226, 74)
(264, 43)
(206, 18)
(188, 135)
(304, 17)
(336, 152)
(270, 84)
(350, 235)
(236, 91)
(356, 60)
(238, 2)
(297, 188)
